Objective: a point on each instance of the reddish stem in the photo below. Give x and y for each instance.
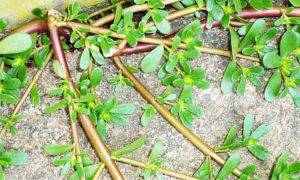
(39, 26)
(247, 14)
(86, 122)
(271, 12)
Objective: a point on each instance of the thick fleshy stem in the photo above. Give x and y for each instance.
(39, 26)
(167, 115)
(86, 122)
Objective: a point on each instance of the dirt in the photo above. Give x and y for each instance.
(221, 112)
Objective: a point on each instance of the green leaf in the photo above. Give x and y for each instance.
(161, 23)
(289, 42)
(272, 60)
(34, 96)
(39, 58)
(85, 59)
(82, 110)
(87, 98)
(3, 24)
(118, 119)
(54, 150)
(12, 45)
(256, 29)
(204, 171)
(157, 149)
(280, 165)
(132, 147)
(225, 20)
(238, 6)
(66, 168)
(1, 146)
(79, 43)
(268, 35)
(2, 176)
(56, 91)
(232, 163)
(89, 171)
(273, 86)
(200, 3)
(248, 125)
(235, 40)
(73, 115)
(186, 117)
(250, 169)
(152, 60)
(55, 107)
(261, 131)
(38, 13)
(259, 151)
(123, 109)
(79, 169)
(227, 86)
(96, 77)
(295, 96)
(293, 168)
(260, 4)
(8, 99)
(15, 157)
(118, 15)
(98, 56)
(58, 69)
(230, 136)
(11, 83)
(241, 86)
(147, 115)
(295, 3)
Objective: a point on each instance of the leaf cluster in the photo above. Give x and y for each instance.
(250, 139)
(11, 158)
(68, 160)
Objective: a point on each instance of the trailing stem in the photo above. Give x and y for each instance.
(107, 8)
(148, 166)
(86, 122)
(148, 40)
(166, 114)
(134, 8)
(26, 93)
(246, 13)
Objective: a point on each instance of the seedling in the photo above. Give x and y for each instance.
(250, 139)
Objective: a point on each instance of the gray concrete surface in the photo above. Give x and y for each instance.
(221, 112)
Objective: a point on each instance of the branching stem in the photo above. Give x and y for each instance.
(153, 41)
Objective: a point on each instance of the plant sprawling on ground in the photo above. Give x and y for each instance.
(122, 31)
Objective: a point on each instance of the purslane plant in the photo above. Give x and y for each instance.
(11, 158)
(250, 139)
(284, 170)
(287, 73)
(176, 61)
